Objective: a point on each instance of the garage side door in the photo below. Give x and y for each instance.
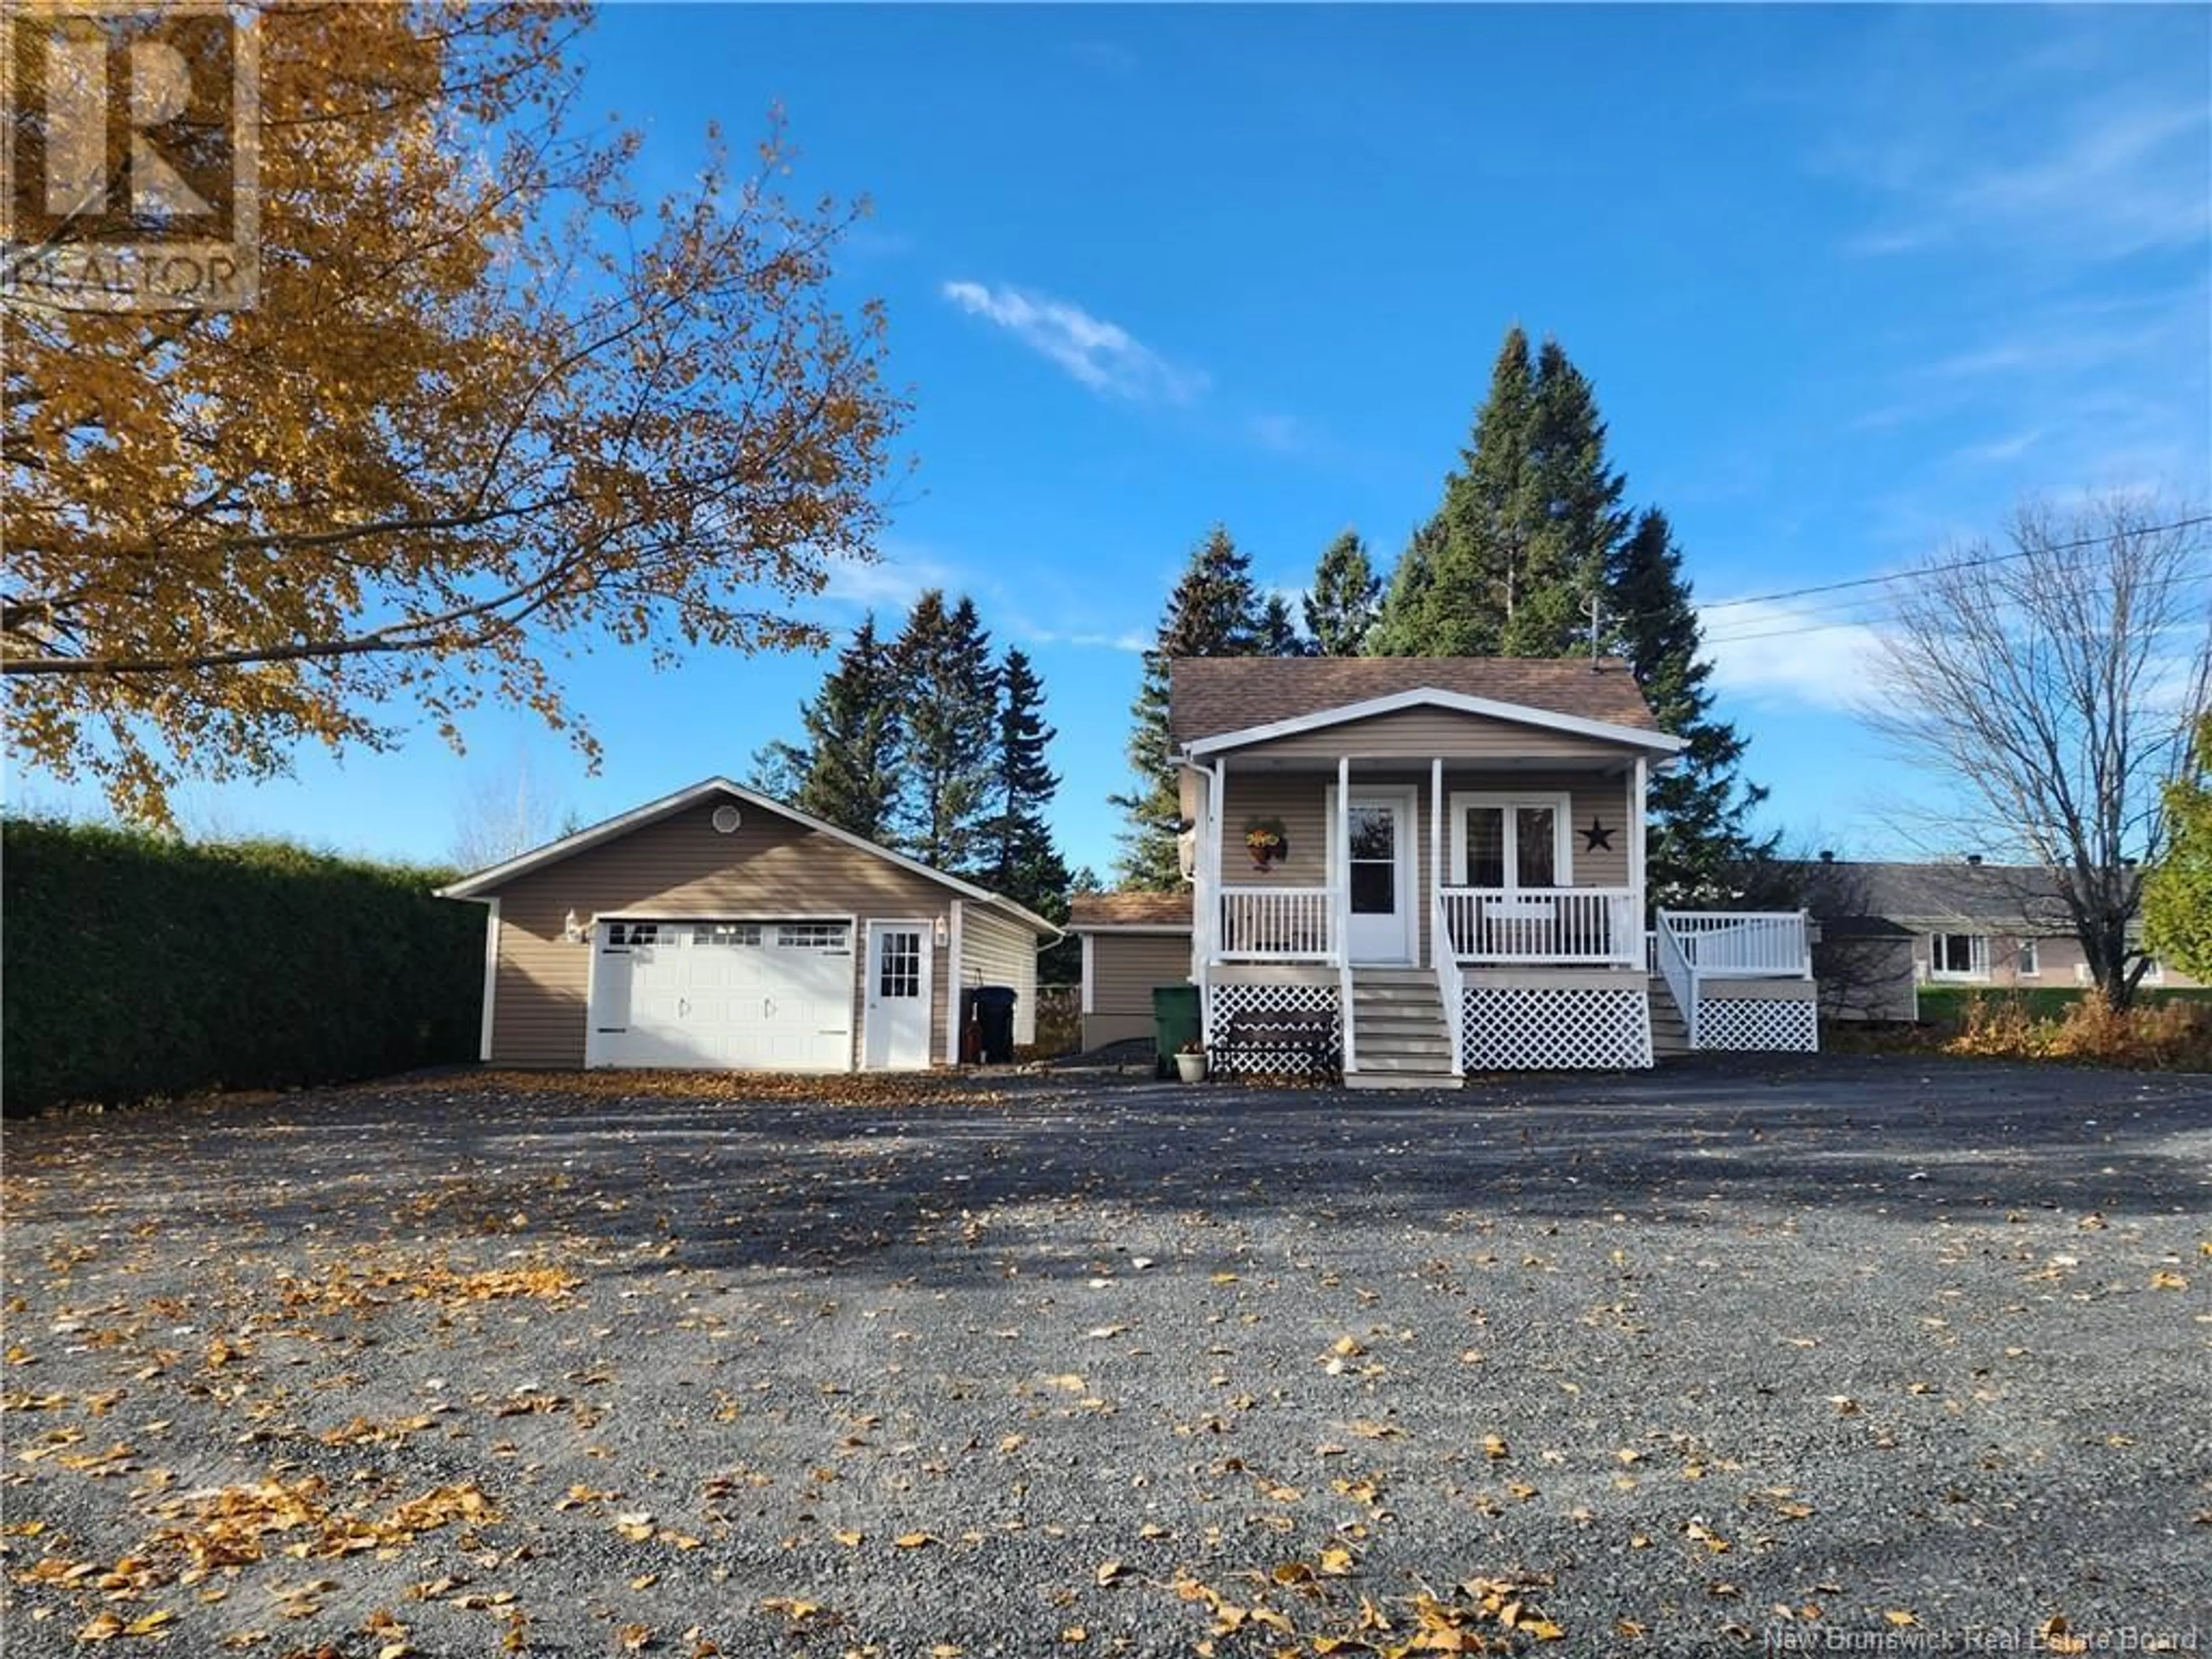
(724, 996)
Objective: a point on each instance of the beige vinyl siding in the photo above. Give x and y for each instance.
(996, 949)
(1125, 967)
(1413, 733)
(769, 868)
(1299, 799)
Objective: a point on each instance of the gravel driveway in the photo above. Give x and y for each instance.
(1849, 1355)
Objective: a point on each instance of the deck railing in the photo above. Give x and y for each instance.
(1743, 943)
(1277, 924)
(1554, 925)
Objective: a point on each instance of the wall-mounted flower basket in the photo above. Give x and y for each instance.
(1266, 841)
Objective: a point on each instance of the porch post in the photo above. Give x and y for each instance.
(1435, 853)
(1341, 904)
(1636, 862)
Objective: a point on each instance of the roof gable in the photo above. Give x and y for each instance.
(484, 883)
(1218, 703)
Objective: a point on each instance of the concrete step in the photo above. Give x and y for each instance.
(1400, 1063)
(1401, 1080)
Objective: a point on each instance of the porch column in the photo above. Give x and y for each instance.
(1636, 862)
(1435, 853)
(1340, 905)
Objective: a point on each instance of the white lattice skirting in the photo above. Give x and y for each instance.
(1255, 1003)
(1749, 1024)
(1525, 1029)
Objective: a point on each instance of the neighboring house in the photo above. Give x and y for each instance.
(1886, 929)
(1132, 942)
(715, 927)
(1441, 862)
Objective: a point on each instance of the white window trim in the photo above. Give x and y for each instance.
(1560, 801)
(1977, 960)
(2028, 959)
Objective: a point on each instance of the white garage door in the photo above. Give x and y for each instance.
(749, 995)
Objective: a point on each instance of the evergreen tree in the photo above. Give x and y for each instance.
(1341, 608)
(1699, 849)
(1401, 620)
(1520, 542)
(1214, 611)
(950, 690)
(1025, 863)
(1278, 634)
(849, 771)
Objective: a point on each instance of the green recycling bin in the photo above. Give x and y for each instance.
(1175, 1022)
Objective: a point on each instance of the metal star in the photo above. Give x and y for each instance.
(1596, 836)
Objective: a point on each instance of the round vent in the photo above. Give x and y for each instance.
(727, 819)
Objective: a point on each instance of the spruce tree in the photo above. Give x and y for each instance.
(1340, 607)
(950, 690)
(1401, 618)
(1025, 863)
(1699, 850)
(1214, 611)
(1278, 634)
(849, 771)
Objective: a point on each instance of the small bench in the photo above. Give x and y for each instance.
(1311, 1038)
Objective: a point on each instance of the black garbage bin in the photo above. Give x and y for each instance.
(994, 1022)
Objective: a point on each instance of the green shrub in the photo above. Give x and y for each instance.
(1953, 1006)
(139, 967)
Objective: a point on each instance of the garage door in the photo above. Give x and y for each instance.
(749, 995)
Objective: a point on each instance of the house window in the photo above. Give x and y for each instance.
(634, 932)
(1958, 955)
(2028, 964)
(1510, 842)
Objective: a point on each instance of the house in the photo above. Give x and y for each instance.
(1132, 942)
(1888, 929)
(716, 927)
(1439, 862)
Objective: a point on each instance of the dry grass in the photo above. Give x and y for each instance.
(2168, 1036)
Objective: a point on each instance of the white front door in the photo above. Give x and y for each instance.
(898, 995)
(1378, 838)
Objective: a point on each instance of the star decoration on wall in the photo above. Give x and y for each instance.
(1597, 836)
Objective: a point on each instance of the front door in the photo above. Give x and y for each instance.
(898, 995)
(1378, 840)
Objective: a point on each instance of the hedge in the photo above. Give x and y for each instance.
(1946, 1005)
(139, 967)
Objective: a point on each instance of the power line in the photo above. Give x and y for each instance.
(1869, 620)
(2190, 522)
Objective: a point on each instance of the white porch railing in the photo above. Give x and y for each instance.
(1276, 924)
(1541, 924)
(1743, 944)
(1451, 985)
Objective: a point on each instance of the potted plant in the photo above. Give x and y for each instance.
(1266, 841)
(1190, 1061)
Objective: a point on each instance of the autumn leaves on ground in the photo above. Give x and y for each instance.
(1651, 1364)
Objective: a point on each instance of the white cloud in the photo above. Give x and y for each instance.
(1102, 355)
(892, 583)
(1772, 651)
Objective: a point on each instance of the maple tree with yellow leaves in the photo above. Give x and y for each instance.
(490, 408)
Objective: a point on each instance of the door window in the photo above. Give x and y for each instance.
(1374, 859)
(899, 966)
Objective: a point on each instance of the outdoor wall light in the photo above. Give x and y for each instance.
(940, 931)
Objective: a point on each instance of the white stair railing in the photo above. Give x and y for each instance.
(1451, 984)
(1679, 972)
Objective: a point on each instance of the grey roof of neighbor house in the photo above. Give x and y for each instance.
(2017, 898)
(1209, 695)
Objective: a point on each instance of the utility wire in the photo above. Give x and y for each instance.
(2190, 522)
(1872, 618)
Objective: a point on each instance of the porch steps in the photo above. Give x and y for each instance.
(1670, 1032)
(1398, 1032)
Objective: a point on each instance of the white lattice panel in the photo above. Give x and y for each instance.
(1525, 1029)
(1759, 1024)
(1255, 1003)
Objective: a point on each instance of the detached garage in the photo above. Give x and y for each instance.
(717, 928)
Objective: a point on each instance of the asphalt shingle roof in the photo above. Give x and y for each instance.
(1209, 695)
(1129, 909)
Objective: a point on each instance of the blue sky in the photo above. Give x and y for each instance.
(1849, 282)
